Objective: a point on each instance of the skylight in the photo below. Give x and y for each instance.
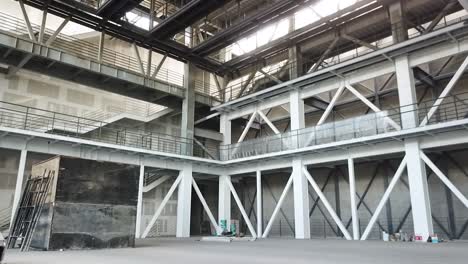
(302, 18)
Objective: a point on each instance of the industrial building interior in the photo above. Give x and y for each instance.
(256, 131)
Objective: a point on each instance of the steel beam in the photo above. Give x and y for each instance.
(384, 199)
(278, 207)
(327, 204)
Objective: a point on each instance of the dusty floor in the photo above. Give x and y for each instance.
(263, 251)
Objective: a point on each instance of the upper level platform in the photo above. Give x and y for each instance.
(80, 61)
(366, 136)
(447, 39)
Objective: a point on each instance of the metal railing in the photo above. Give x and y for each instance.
(342, 54)
(327, 228)
(90, 50)
(44, 121)
(129, 106)
(454, 107)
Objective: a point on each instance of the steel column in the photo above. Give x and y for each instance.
(184, 202)
(419, 193)
(301, 201)
(259, 204)
(141, 180)
(352, 192)
(224, 201)
(19, 183)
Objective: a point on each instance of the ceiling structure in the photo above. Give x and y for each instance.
(217, 24)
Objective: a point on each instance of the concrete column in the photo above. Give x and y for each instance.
(295, 59)
(300, 184)
(294, 55)
(224, 202)
(225, 129)
(188, 109)
(352, 193)
(406, 93)
(396, 12)
(296, 110)
(259, 205)
(19, 184)
(140, 202)
(184, 201)
(417, 176)
(187, 126)
(102, 38)
(301, 201)
(419, 193)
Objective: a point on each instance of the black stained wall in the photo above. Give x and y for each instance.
(95, 205)
(94, 182)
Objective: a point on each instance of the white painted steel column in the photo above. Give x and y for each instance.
(139, 202)
(300, 185)
(259, 205)
(406, 93)
(225, 129)
(184, 202)
(224, 193)
(352, 193)
(301, 201)
(224, 202)
(296, 110)
(417, 177)
(187, 126)
(419, 193)
(19, 184)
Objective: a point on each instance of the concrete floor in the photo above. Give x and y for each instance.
(263, 251)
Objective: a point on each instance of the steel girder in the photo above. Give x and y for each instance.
(184, 17)
(88, 17)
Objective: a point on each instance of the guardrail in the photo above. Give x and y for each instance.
(454, 107)
(326, 228)
(129, 106)
(90, 50)
(44, 121)
(341, 54)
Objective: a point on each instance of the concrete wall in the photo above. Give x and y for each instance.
(45, 92)
(9, 160)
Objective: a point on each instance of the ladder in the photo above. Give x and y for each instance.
(27, 215)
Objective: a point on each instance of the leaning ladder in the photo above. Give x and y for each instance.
(32, 201)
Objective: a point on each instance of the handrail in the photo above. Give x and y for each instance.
(46, 121)
(90, 50)
(231, 92)
(454, 107)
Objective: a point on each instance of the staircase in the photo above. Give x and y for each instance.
(45, 121)
(5, 217)
(155, 174)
